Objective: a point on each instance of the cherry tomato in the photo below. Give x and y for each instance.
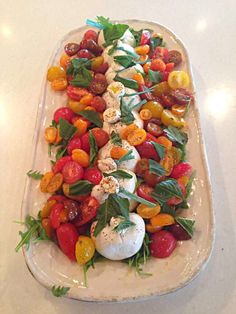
(161, 88)
(46, 210)
(170, 66)
(55, 73)
(71, 49)
(64, 61)
(74, 143)
(50, 134)
(72, 172)
(147, 82)
(147, 95)
(98, 103)
(46, 224)
(72, 208)
(81, 157)
(91, 45)
(162, 244)
(152, 229)
(145, 37)
(88, 209)
(76, 93)
(84, 53)
(154, 129)
(142, 49)
(141, 166)
(145, 191)
(91, 34)
(181, 96)
(178, 232)
(165, 76)
(161, 53)
(158, 65)
(67, 236)
(101, 136)
(137, 137)
(167, 100)
(155, 108)
(168, 118)
(152, 179)
(148, 212)
(93, 175)
(178, 110)
(176, 200)
(167, 163)
(182, 169)
(84, 249)
(55, 215)
(102, 68)
(85, 142)
(178, 79)
(63, 113)
(175, 57)
(60, 163)
(83, 230)
(98, 84)
(147, 150)
(57, 198)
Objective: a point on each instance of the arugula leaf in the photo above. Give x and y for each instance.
(155, 42)
(127, 156)
(156, 168)
(166, 209)
(165, 190)
(137, 198)
(125, 61)
(116, 139)
(176, 135)
(59, 291)
(82, 79)
(126, 82)
(160, 149)
(186, 223)
(127, 116)
(155, 76)
(36, 175)
(34, 231)
(141, 257)
(93, 149)
(66, 130)
(60, 152)
(82, 187)
(92, 116)
(124, 224)
(113, 32)
(119, 174)
(189, 184)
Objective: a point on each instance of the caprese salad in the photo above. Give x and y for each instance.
(119, 178)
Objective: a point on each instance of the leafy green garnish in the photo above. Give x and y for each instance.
(131, 53)
(59, 291)
(82, 79)
(155, 76)
(125, 61)
(124, 224)
(166, 209)
(96, 257)
(186, 223)
(160, 149)
(189, 185)
(127, 156)
(156, 168)
(36, 175)
(136, 198)
(156, 42)
(92, 116)
(119, 174)
(127, 116)
(126, 82)
(61, 152)
(146, 90)
(182, 205)
(104, 21)
(113, 32)
(176, 135)
(82, 187)
(165, 190)
(53, 123)
(116, 139)
(50, 149)
(77, 65)
(141, 257)
(93, 149)
(113, 48)
(34, 231)
(66, 129)
(137, 36)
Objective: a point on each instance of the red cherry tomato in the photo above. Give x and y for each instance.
(147, 150)
(57, 198)
(148, 83)
(175, 57)
(182, 169)
(72, 172)
(176, 200)
(74, 143)
(145, 191)
(158, 65)
(91, 45)
(60, 163)
(88, 210)
(98, 103)
(165, 76)
(76, 93)
(93, 175)
(67, 236)
(98, 84)
(83, 229)
(55, 215)
(102, 68)
(152, 179)
(162, 53)
(91, 34)
(84, 53)
(72, 208)
(145, 37)
(85, 142)
(170, 66)
(167, 100)
(63, 113)
(178, 232)
(100, 136)
(71, 49)
(182, 96)
(141, 166)
(162, 244)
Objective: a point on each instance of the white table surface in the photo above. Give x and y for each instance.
(29, 31)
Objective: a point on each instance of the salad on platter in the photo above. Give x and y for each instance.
(118, 178)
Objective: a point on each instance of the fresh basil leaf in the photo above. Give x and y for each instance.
(104, 21)
(155, 76)
(131, 53)
(125, 61)
(187, 224)
(113, 32)
(82, 79)
(124, 224)
(116, 139)
(36, 175)
(127, 116)
(137, 198)
(77, 63)
(160, 149)
(166, 209)
(155, 42)
(127, 156)
(59, 291)
(60, 152)
(53, 123)
(156, 168)
(189, 185)
(52, 162)
(93, 149)
(92, 116)
(119, 174)
(113, 48)
(137, 36)
(82, 187)
(167, 189)
(176, 135)
(126, 82)
(182, 205)
(121, 205)
(66, 130)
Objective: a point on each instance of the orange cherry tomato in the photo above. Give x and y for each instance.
(50, 134)
(81, 157)
(164, 141)
(81, 126)
(118, 152)
(45, 181)
(46, 210)
(146, 67)
(162, 220)
(138, 78)
(75, 106)
(90, 108)
(55, 73)
(143, 58)
(64, 61)
(137, 137)
(161, 88)
(142, 50)
(158, 65)
(152, 229)
(127, 130)
(178, 110)
(184, 180)
(86, 100)
(46, 224)
(59, 84)
(176, 154)
(148, 212)
(97, 62)
(167, 163)
(145, 114)
(55, 183)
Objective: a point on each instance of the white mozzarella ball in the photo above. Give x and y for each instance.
(111, 102)
(107, 165)
(116, 89)
(128, 38)
(111, 115)
(110, 185)
(131, 71)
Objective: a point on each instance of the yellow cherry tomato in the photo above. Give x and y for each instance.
(97, 62)
(84, 249)
(176, 154)
(148, 212)
(45, 181)
(137, 137)
(81, 157)
(161, 88)
(142, 50)
(55, 73)
(168, 118)
(167, 163)
(59, 84)
(178, 79)
(76, 106)
(162, 220)
(178, 110)
(155, 108)
(145, 114)
(127, 130)
(50, 134)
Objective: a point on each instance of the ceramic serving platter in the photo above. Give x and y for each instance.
(115, 281)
